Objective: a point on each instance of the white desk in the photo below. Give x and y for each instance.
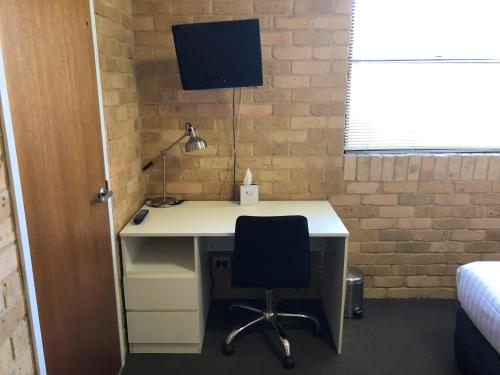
(166, 268)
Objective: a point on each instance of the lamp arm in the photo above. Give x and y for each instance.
(164, 151)
(173, 144)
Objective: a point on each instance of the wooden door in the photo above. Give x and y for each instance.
(51, 81)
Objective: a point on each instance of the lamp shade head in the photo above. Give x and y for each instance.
(195, 142)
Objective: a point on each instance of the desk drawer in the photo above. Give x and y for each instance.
(160, 293)
(163, 327)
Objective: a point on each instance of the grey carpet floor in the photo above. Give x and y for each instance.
(400, 337)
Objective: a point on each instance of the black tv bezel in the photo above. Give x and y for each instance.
(217, 84)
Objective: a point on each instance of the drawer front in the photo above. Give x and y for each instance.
(163, 327)
(155, 293)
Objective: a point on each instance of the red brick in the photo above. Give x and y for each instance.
(414, 163)
(400, 187)
(327, 187)
(449, 223)
(432, 211)
(486, 199)
(311, 95)
(310, 67)
(480, 167)
(388, 281)
(291, 82)
(375, 168)
(452, 199)
(233, 7)
(377, 223)
(363, 169)
(333, 22)
(191, 7)
(8, 257)
(395, 211)
(312, 37)
(400, 168)
(435, 187)
(473, 187)
(362, 187)
(287, 136)
(414, 223)
(350, 168)
(482, 247)
(427, 169)
(346, 200)
(454, 166)
(467, 235)
(255, 109)
(485, 223)
(380, 199)
(313, 6)
(214, 110)
(292, 53)
(271, 96)
(414, 199)
(330, 81)
(422, 281)
(275, 38)
(440, 168)
(293, 23)
(494, 168)
(330, 53)
(467, 169)
(273, 7)
(328, 109)
(387, 168)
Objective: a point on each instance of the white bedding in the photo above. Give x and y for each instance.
(478, 290)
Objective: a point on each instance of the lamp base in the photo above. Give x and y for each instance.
(160, 202)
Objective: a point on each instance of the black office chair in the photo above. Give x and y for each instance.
(271, 252)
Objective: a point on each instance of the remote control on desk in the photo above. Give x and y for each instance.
(139, 217)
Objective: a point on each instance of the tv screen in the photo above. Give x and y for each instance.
(219, 54)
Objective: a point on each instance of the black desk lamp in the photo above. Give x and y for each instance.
(194, 143)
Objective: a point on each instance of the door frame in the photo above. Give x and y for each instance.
(20, 217)
(20, 220)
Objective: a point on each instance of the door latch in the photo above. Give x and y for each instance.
(103, 194)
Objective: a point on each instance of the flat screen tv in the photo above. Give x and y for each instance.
(219, 54)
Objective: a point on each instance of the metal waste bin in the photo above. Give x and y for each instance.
(354, 293)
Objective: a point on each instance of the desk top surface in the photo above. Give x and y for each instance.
(218, 218)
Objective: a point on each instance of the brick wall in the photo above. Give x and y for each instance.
(115, 44)
(16, 356)
(291, 128)
(413, 219)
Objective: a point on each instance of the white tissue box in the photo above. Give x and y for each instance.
(249, 195)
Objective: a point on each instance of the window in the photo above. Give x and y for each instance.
(424, 76)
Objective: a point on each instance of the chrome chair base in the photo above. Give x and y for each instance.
(271, 316)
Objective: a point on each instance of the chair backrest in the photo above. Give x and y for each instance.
(271, 252)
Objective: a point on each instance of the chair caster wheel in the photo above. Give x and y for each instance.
(358, 313)
(318, 331)
(227, 349)
(288, 362)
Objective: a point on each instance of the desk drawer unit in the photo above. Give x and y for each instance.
(170, 327)
(160, 293)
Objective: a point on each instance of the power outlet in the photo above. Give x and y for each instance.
(221, 261)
